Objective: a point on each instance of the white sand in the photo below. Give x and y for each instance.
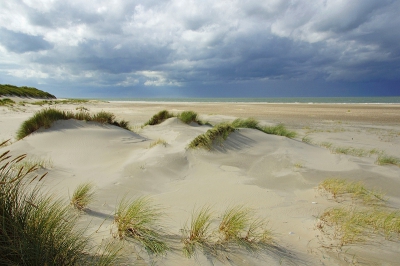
(274, 175)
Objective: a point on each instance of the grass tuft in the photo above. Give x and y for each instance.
(218, 133)
(386, 159)
(197, 234)
(46, 117)
(279, 130)
(341, 187)
(188, 117)
(245, 123)
(159, 118)
(37, 229)
(138, 220)
(82, 196)
(307, 139)
(158, 142)
(356, 224)
(239, 226)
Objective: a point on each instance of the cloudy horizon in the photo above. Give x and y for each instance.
(176, 48)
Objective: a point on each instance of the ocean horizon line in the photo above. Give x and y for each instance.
(309, 100)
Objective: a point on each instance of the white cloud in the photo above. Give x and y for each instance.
(157, 78)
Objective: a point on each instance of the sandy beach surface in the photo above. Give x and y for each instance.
(275, 176)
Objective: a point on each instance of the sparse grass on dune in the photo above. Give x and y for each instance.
(213, 135)
(386, 159)
(239, 226)
(158, 142)
(46, 117)
(159, 118)
(341, 187)
(357, 224)
(197, 234)
(82, 196)
(138, 220)
(279, 130)
(37, 229)
(67, 101)
(6, 101)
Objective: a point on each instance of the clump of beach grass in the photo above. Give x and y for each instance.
(139, 220)
(188, 117)
(83, 195)
(238, 225)
(218, 133)
(46, 117)
(356, 224)
(356, 190)
(159, 118)
(198, 233)
(386, 160)
(279, 130)
(245, 123)
(30, 162)
(158, 142)
(37, 229)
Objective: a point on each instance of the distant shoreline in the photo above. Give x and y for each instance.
(291, 100)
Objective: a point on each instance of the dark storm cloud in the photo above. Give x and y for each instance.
(22, 43)
(186, 43)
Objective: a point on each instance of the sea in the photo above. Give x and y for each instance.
(292, 100)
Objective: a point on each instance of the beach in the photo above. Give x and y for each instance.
(276, 177)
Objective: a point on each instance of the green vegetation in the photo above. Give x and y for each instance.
(6, 101)
(138, 220)
(356, 224)
(46, 117)
(385, 159)
(188, 116)
(307, 139)
(245, 123)
(82, 196)
(215, 134)
(356, 190)
(30, 162)
(239, 225)
(158, 142)
(36, 229)
(198, 234)
(279, 130)
(159, 118)
(11, 90)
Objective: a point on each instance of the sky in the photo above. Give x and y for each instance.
(203, 48)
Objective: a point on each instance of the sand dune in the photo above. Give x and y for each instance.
(276, 176)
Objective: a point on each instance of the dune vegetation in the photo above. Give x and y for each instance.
(82, 196)
(6, 101)
(46, 117)
(67, 101)
(11, 90)
(37, 229)
(215, 135)
(367, 217)
(139, 220)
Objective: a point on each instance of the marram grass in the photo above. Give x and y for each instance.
(198, 233)
(238, 225)
(37, 229)
(139, 220)
(158, 142)
(214, 135)
(356, 190)
(83, 195)
(159, 118)
(387, 160)
(358, 224)
(46, 117)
